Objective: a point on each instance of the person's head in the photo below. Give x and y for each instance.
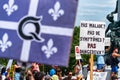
(54, 66)
(81, 61)
(55, 77)
(114, 77)
(115, 50)
(47, 77)
(29, 75)
(70, 74)
(24, 64)
(107, 48)
(3, 70)
(77, 62)
(110, 17)
(52, 72)
(39, 76)
(59, 72)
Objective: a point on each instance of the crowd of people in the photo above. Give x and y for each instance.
(34, 73)
(55, 73)
(111, 60)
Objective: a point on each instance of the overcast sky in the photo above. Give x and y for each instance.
(94, 10)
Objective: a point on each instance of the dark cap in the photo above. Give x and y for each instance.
(81, 60)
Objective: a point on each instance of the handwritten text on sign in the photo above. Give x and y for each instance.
(92, 37)
(98, 76)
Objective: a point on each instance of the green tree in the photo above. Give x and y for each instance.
(75, 42)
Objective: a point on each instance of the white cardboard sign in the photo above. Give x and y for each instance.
(77, 53)
(98, 75)
(92, 37)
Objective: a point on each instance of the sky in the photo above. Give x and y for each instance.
(94, 10)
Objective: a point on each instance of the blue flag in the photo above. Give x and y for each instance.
(37, 30)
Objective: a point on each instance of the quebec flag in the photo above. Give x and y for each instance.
(37, 30)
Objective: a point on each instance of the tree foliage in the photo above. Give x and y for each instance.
(75, 42)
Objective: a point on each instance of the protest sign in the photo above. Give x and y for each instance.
(107, 41)
(98, 76)
(92, 37)
(77, 53)
(9, 64)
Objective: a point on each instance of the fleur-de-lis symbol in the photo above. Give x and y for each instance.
(4, 43)
(10, 7)
(56, 12)
(49, 49)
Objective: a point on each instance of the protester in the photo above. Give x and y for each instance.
(16, 72)
(52, 72)
(59, 73)
(100, 63)
(78, 68)
(3, 76)
(114, 62)
(34, 72)
(8, 74)
(69, 76)
(0, 77)
(3, 70)
(48, 77)
(29, 75)
(79, 77)
(55, 77)
(35, 66)
(39, 76)
(114, 78)
(3, 73)
(55, 67)
(88, 66)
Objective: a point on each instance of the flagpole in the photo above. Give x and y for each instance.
(91, 67)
